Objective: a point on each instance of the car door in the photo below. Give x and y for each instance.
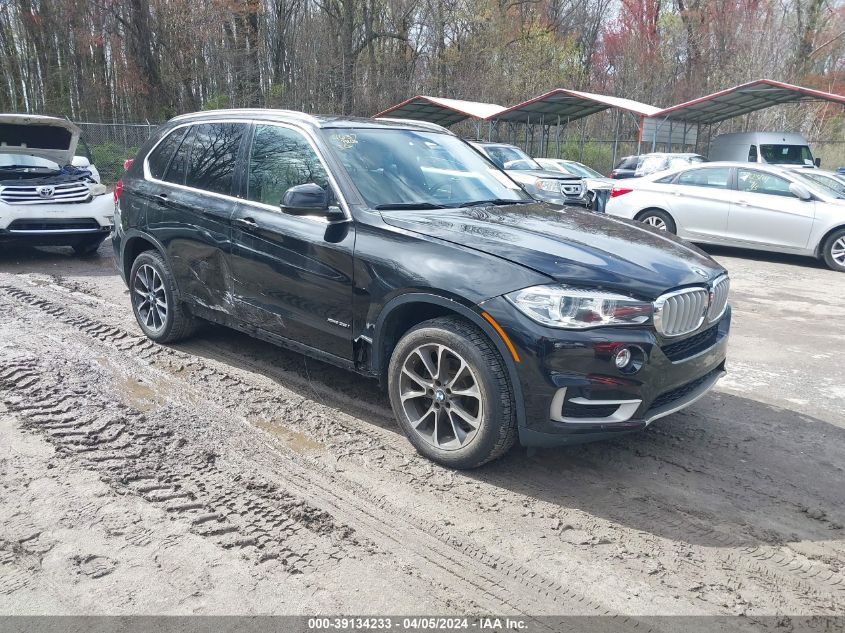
(766, 212)
(192, 208)
(700, 201)
(293, 273)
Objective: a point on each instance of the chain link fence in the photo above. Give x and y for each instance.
(108, 145)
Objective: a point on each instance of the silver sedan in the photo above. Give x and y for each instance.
(763, 207)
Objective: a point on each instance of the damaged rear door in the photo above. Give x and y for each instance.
(192, 212)
(292, 273)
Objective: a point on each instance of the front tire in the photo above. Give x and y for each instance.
(451, 395)
(160, 314)
(659, 220)
(833, 251)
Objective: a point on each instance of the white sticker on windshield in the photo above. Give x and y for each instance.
(344, 141)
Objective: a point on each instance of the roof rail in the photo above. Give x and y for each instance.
(256, 111)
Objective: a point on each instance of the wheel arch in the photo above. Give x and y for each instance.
(640, 214)
(133, 245)
(406, 311)
(825, 237)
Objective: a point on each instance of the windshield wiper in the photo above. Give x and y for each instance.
(494, 201)
(398, 206)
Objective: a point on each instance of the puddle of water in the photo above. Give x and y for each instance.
(295, 440)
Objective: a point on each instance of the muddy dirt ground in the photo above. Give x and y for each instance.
(223, 475)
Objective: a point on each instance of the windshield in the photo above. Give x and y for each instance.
(581, 170)
(787, 154)
(507, 157)
(24, 160)
(413, 169)
(829, 185)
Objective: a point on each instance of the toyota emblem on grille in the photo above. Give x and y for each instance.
(46, 192)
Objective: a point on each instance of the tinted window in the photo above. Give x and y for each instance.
(176, 171)
(716, 178)
(279, 159)
(760, 182)
(752, 154)
(629, 162)
(214, 153)
(160, 157)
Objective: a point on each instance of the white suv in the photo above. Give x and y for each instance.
(45, 198)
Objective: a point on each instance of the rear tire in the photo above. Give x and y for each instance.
(833, 251)
(659, 220)
(88, 247)
(451, 394)
(152, 290)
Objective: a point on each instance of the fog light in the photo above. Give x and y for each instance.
(622, 358)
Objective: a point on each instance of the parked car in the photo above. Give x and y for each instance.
(598, 187)
(830, 180)
(764, 207)
(774, 148)
(44, 199)
(391, 248)
(664, 161)
(543, 184)
(625, 168)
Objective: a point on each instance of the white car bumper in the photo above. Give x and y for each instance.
(57, 223)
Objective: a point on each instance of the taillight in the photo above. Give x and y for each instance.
(127, 164)
(118, 190)
(619, 191)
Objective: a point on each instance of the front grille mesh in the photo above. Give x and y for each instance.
(720, 298)
(30, 194)
(693, 345)
(682, 312)
(668, 397)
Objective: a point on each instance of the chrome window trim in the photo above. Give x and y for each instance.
(247, 122)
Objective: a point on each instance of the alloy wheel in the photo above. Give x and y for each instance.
(149, 298)
(440, 396)
(837, 251)
(656, 222)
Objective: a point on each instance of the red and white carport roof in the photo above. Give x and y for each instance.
(442, 111)
(569, 105)
(739, 100)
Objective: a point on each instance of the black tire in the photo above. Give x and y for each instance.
(831, 250)
(88, 247)
(657, 215)
(497, 430)
(177, 323)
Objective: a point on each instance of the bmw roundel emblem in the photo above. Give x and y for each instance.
(699, 272)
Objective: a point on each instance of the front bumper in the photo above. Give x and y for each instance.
(57, 224)
(574, 393)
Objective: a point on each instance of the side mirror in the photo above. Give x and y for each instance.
(307, 199)
(800, 191)
(818, 162)
(80, 161)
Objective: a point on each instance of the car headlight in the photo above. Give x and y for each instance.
(551, 186)
(579, 308)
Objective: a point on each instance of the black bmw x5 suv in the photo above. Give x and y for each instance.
(393, 249)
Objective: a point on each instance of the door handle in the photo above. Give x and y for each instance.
(246, 223)
(742, 203)
(161, 197)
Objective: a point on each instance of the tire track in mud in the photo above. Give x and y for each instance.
(819, 583)
(138, 455)
(82, 424)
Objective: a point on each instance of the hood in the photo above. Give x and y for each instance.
(43, 136)
(531, 174)
(599, 183)
(573, 246)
